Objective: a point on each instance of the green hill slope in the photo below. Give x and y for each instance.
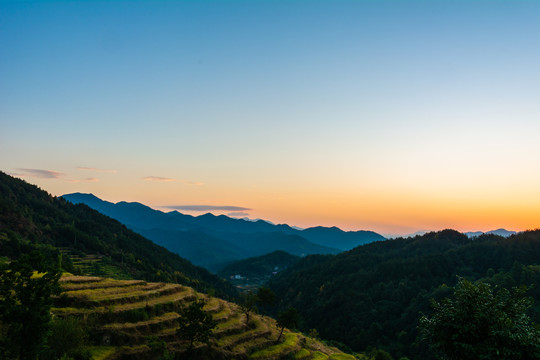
(31, 219)
(374, 294)
(124, 318)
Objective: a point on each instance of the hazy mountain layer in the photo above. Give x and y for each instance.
(500, 232)
(213, 241)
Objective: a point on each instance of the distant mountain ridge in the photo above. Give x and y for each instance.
(500, 232)
(213, 241)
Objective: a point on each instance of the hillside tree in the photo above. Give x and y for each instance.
(195, 324)
(26, 287)
(287, 319)
(248, 304)
(482, 323)
(265, 298)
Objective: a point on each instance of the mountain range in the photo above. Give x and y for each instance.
(500, 232)
(214, 241)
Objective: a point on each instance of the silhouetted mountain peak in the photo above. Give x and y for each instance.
(134, 205)
(336, 237)
(80, 197)
(207, 215)
(84, 195)
(324, 228)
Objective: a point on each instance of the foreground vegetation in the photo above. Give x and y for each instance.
(99, 318)
(374, 295)
(112, 319)
(480, 322)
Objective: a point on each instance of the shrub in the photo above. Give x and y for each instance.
(67, 337)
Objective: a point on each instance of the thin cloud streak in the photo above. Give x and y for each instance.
(207, 207)
(40, 173)
(84, 180)
(193, 183)
(238, 214)
(84, 168)
(158, 179)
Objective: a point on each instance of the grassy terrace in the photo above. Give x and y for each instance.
(101, 284)
(124, 294)
(290, 344)
(185, 294)
(123, 314)
(156, 320)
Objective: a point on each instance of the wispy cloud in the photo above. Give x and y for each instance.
(95, 169)
(84, 180)
(40, 173)
(238, 214)
(158, 178)
(207, 207)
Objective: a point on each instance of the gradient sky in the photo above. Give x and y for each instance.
(393, 116)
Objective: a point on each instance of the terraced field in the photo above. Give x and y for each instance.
(124, 316)
(92, 264)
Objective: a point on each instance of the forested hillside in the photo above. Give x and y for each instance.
(31, 219)
(374, 295)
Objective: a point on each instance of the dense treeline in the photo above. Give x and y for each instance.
(374, 295)
(31, 219)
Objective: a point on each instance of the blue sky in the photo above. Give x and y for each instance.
(389, 115)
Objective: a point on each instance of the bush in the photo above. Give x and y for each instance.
(67, 337)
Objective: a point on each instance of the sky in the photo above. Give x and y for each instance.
(391, 116)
